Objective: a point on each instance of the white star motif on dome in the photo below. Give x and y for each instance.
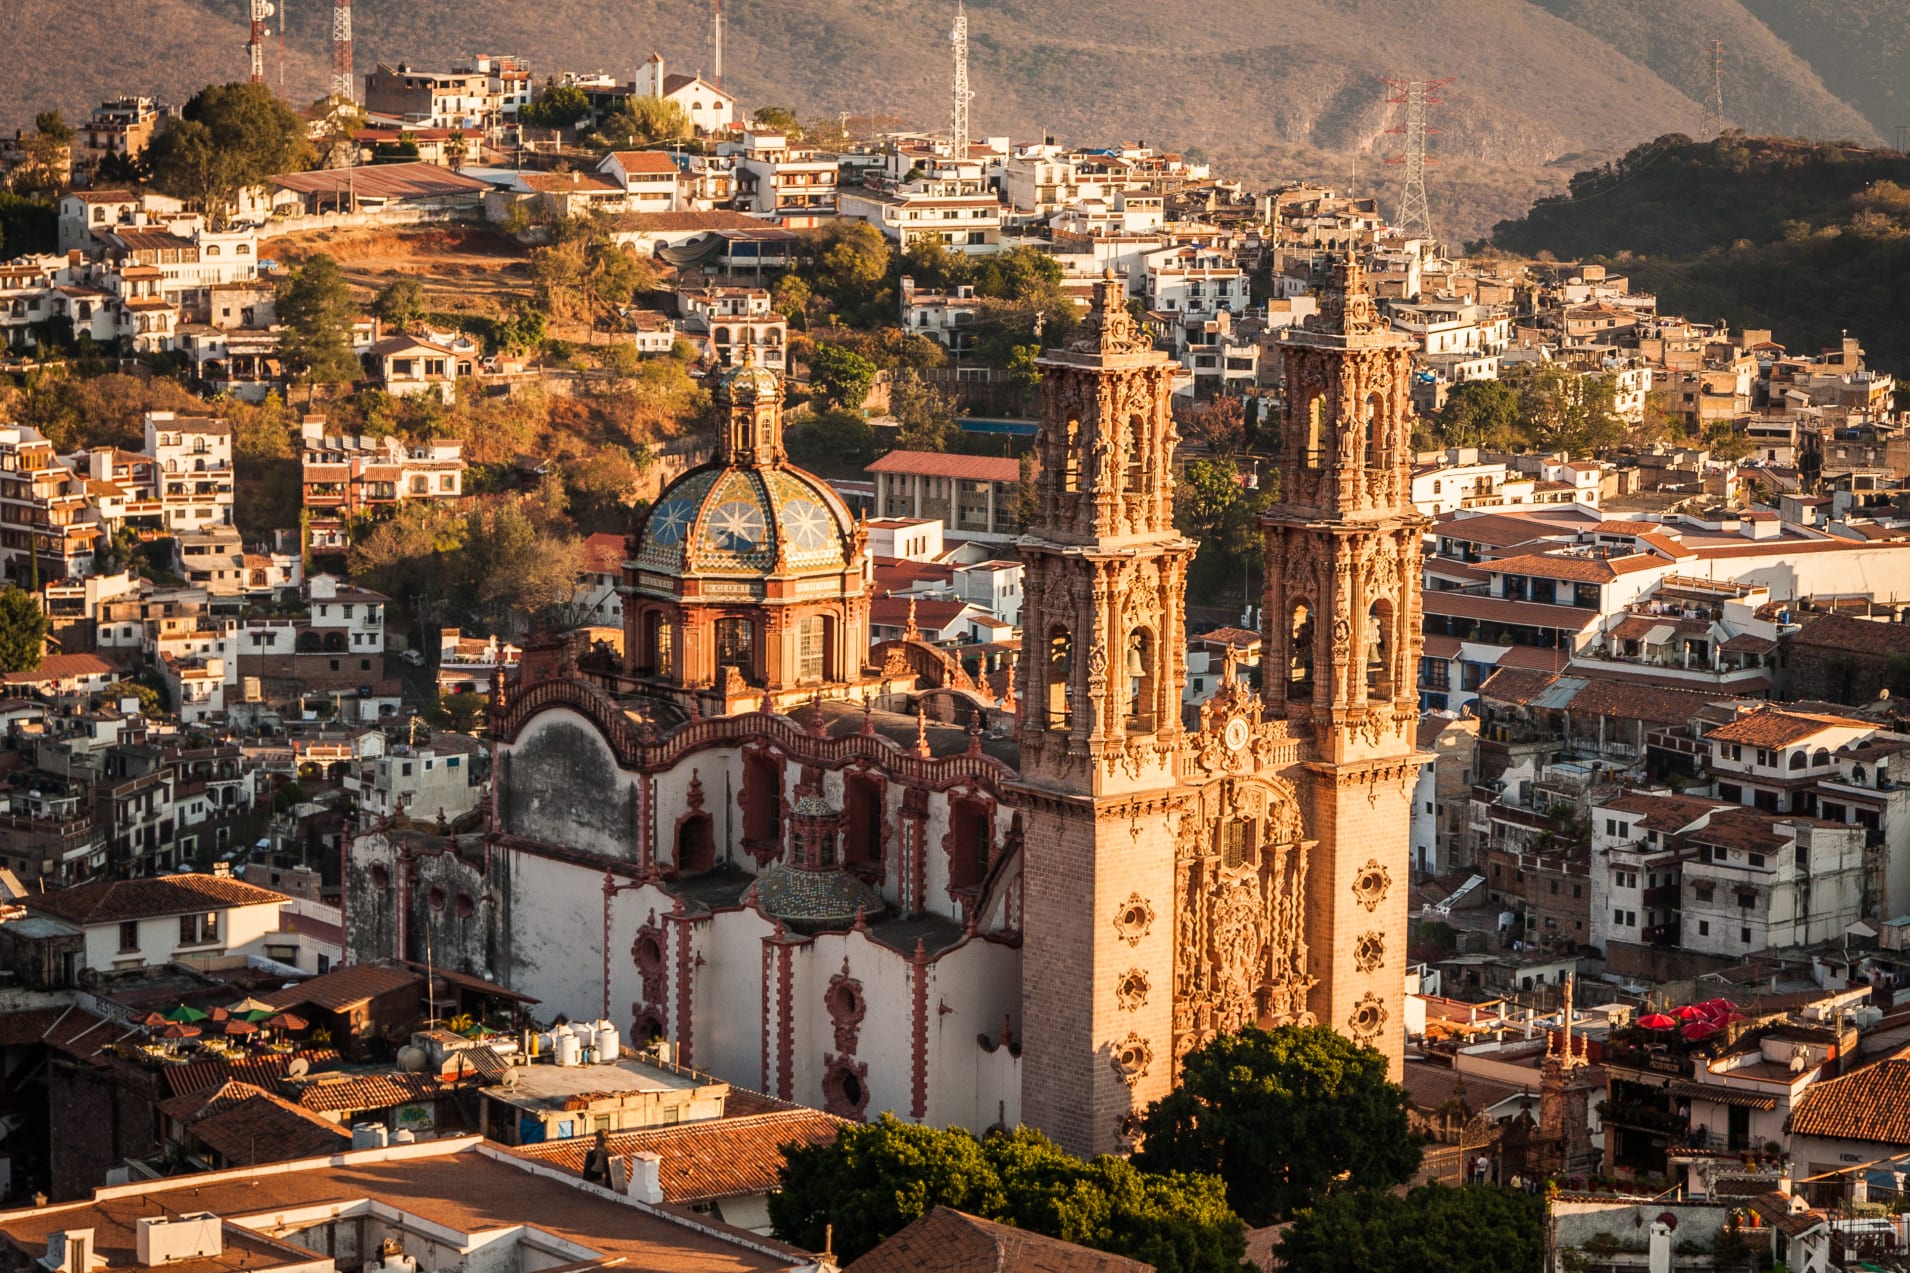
(669, 522)
(736, 526)
(807, 524)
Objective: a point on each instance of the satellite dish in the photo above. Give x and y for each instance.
(298, 1068)
(510, 1080)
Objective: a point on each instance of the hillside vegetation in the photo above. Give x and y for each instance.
(1808, 240)
(1280, 89)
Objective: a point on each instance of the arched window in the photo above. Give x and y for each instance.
(1239, 843)
(763, 803)
(1300, 651)
(1379, 650)
(243, 249)
(1135, 479)
(1060, 672)
(736, 645)
(1379, 441)
(862, 823)
(1142, 682)
(1799, 759)
(811, 647)
(695, 845)
(1071, 457)
(334, 642)
(721, 335)
(1313, 446)
(1820, 757)
(657, 647)
(971, 833)
(212, 249)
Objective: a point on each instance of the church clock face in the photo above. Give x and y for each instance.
(670, 521)
(736, 526)
(806, 524)
(1236, 734)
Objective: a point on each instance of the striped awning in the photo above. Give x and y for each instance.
(1722, 1095)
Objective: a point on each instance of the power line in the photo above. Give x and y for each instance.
(1416, 96)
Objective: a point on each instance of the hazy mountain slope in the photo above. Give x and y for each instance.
(1860, 47)
(1266, 88)
(1769, 88)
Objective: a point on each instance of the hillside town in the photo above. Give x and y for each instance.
(587, 639)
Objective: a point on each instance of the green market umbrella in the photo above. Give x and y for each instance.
(185, 1014)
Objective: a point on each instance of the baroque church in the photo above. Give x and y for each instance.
(855, 877)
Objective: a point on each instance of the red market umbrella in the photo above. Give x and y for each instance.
(217, 1014)
(1657, 1021)
(1691, 1012)
(285, 1021)
(1698, 1030)
(179, 1030)
(154, 1021)
(237, 1025)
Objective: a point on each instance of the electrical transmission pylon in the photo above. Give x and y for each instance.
(342, 86)
(1713, 122)
(1415, 214)
(255, 47)
(958, 125)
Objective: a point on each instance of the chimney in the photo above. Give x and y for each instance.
(69, 1251)
(645, 1168)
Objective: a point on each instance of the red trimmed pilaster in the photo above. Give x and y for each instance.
(918, 1040)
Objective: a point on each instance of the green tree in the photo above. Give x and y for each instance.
(316, 308)
(267, 491)
(149, 702)
(838, 441)
(1285, 1117)
(510, 572)
(401, 303)
(846, 264)
(584, 273)
(23, 630)
(878, 1177)
(790, 296)
(844, 376)
(229, 138)
(925, 416)
(647, 121)
(558, 106)
(1218, 425)
(459, 713)
(1479, 413)
(778, 119)
(1476, 1229)
(1563, 410)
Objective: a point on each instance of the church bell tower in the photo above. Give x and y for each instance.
(1341, 644)
(1103, 659)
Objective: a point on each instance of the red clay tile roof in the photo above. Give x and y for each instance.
(967, 468)
(1515, 685)
(1856, 636)
(635, 161)
(245, 1125)
(343, 987)
(603, 553)
(111, 901)
(950, 1241)
(60, 667)
(260, 1071)
(1775, 727)
(382, 181)
(1872, 1104)
(1628, 700)
(1466, 605)
(333, 1093)
(1580, 569)
(680, 222)
(711, 1158)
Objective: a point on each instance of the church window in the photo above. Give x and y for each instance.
(1060, 673)
(659, 636)
(695, 845)
(1300, 652)
(763, 802)
(1313, 454)
(970, 834)
(1142, 693)
(862, 822)
(1071, 457)
(1379, 650)
(1378, 438)
(1136, 479)
(736, 645)
(1237, 843)
(809, 648)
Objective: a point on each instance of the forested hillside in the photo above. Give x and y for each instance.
(1809, 240)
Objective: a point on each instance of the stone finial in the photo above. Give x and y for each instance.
(868, 713)
(911, 632)
(975, 733)
(921, 731)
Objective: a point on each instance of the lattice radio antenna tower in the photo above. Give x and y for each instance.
(342, 85)
(1713, 122)
(958, 124)
(255, 46)
(1415, 214)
